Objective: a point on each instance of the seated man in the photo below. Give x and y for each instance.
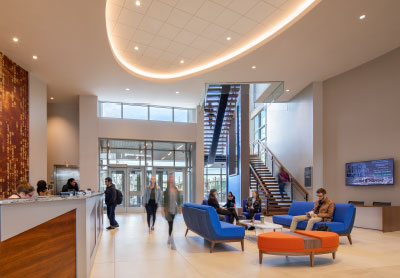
(323, 211)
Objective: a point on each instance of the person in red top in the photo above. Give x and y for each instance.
(283, 178)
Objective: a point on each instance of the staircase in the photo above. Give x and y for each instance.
(274, 204)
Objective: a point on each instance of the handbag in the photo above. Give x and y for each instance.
(323, 228)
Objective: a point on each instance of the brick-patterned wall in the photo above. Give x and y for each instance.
(14, 125)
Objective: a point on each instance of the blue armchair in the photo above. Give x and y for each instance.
(203, 220)
(245, 212)
(342, 222)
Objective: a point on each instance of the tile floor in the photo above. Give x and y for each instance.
(131, 251)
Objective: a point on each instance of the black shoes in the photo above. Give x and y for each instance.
(110, 228)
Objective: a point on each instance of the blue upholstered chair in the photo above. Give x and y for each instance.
(342, 222)
(204, 221)
(205, 203)
(245, 212)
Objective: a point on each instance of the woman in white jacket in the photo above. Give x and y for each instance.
(151, 200)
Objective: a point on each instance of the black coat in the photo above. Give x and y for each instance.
(256, 205)
(213, 203)
(111, 195)
(70, 187)
(230, 203)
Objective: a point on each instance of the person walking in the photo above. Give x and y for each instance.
(111, 202)
(171, 206)
(151, 199)
(283, 178)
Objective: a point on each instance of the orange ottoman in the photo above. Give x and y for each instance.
(299, 243)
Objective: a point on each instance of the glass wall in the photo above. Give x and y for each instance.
(146, 112)
(131, 163)
(215, 178)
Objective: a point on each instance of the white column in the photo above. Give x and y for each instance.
(37, 130)
(88, 143)
(198, 187)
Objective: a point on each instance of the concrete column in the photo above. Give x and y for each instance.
(198, 186)
(88, 143)
(244, 141)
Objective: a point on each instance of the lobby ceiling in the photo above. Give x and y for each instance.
(170, 39)
(74, 56)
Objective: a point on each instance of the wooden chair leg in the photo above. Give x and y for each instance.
(260, 256)
(334, 255)
(212, 246)
(349, 238)
(187, 230)
(312, 259)
(242, 243)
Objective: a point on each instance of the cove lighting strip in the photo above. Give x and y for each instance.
(270, 32)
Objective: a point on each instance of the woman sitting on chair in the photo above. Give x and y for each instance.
(253, 204)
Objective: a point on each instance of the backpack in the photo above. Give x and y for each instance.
(120, 197)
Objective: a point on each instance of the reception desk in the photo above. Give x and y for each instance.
(385, 219)
(49, 237)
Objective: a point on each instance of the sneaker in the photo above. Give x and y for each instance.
(116, 226)
(110, 228)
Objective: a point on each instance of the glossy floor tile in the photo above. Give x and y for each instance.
(131, 251)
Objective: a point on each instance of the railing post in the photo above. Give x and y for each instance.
(272, 165)
(291, 189)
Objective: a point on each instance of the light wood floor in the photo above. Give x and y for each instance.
(131, 251)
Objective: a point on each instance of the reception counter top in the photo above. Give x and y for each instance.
(50, 236)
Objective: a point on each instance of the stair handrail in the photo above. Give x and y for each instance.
(275, 159)
(259, 181)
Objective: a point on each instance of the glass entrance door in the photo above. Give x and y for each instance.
(161, 175)
(130, 182)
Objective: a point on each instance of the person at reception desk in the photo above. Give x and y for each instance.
(24, 191)
(70, 186)
(323, 211)
(41, 188)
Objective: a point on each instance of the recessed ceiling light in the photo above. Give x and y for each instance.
(15, 39)
(253, 67)
(228, 38)
(51, 98)
(35, 57)
(362, 16)
(138, 3)
(287, 90)
(127, 89)
(182, 61)
(177, 92)
(136, 48)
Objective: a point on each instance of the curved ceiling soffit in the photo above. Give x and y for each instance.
(132, 48)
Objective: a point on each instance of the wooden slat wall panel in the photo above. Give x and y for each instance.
(48, 250)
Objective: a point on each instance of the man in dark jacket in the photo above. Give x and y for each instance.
(111, 202)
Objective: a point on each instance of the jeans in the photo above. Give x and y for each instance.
(111, 215)
(151, 209)
(171, 225)
(282, 188)
(230, 212)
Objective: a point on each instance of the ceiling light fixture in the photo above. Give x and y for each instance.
(287, 90)
(228, 38)
(182, 61)
(51, 98)
(362, 16)
(294, 14)
(15, 39)
(253, 67)
(138, 3)
(35, 57)
(136, 48)
(177, 92)
(127, 89)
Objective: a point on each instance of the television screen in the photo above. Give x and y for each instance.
(375, 172)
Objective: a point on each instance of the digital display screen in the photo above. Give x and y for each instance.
(375, 172)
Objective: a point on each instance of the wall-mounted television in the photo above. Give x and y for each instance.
(374, 172)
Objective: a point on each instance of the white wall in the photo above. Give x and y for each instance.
(37, 130)
(62, 135)
(290, 133)
(361, 122)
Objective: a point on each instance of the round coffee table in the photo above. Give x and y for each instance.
(259, 225)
